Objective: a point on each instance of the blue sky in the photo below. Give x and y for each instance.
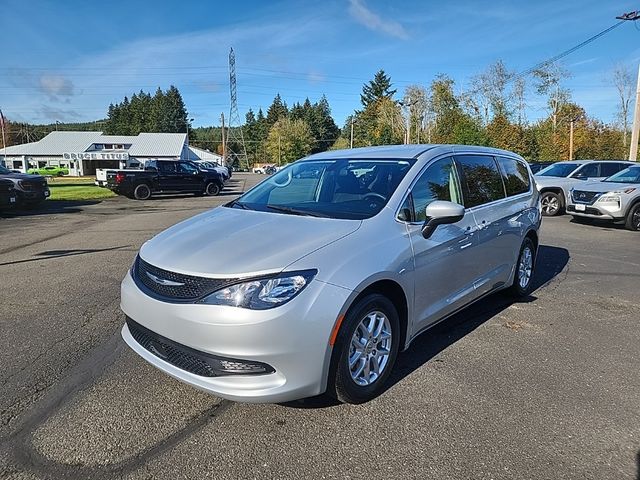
(67, 60)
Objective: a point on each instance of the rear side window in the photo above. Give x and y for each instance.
(167, 167)
(438, 182)
(587, 171)
(515, 176)
(481, 180)
(609, 168)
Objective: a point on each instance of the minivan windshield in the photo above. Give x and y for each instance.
(628, 175)
(340, 188)
(557, 170)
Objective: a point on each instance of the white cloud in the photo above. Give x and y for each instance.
(362, 14)
(56, 86)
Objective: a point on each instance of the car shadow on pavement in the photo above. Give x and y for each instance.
(601, 224)
(64, 253)
(49, 207)
(551, 262)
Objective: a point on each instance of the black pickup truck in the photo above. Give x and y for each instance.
(166, 176)
(30, 190)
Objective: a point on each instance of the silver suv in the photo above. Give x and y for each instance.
(331, 267)
(616, 198)
(555, 181)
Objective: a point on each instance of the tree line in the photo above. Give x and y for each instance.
(164, 112)
(491, 110)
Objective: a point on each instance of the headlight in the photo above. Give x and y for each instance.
(262, 293)
(609, 198)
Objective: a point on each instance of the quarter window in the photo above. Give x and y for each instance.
(481, 180)
(587, 171)
(515, 176)
(438, 182)
(167, 167)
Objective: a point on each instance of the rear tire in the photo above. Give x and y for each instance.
(552, 204)
(363, 358)
(212, 189)
(632, 221)
(142, 192)
(523, 277)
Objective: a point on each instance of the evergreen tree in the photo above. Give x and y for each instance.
(379, 87)
(159, 120)
(276, 111)
(176, 111)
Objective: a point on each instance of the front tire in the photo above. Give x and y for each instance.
(632, 221)
(142, 192)
(365, 351)
(551, 203)
(523, 277)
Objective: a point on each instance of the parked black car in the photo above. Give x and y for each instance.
(30, 190)
(168, 176)
(8, 196)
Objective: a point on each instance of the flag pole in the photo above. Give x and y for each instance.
(4, 142)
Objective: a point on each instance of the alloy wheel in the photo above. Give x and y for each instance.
(525, 268)
(550, 204)
(370, 348)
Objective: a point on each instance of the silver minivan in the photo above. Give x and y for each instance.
(316, 278)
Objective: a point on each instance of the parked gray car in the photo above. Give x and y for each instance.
(616, 199)
(331, 267)
(555, 181)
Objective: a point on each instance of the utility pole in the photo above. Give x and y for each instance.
(224, 144)
(633, 151)
(571, 140)
(351, 143)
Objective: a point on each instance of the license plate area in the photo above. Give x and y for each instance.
(580, 207)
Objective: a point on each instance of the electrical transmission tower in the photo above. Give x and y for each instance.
(235, 140)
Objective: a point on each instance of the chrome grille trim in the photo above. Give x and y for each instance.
(174, 287)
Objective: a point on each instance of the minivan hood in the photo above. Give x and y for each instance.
(605, 186)
(230, 242)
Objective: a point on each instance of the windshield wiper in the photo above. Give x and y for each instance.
(295, 211)
(236, 203)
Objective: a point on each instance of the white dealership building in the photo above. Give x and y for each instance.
(84, 152)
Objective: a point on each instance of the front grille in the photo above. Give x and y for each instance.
(174, 287)
(191, 360)
(580, 196)
(33, 185)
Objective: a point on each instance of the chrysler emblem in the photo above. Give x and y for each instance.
(164, 281)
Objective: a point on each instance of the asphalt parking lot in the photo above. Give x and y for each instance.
(547, 388)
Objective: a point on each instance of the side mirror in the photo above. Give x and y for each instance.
(441, 212)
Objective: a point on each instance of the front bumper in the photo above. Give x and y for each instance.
(292, 338)
(603, 211)
(32, 196)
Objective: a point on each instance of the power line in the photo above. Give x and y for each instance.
(569, 51)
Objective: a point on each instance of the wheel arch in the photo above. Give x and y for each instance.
(395, 293)
(558, 190)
